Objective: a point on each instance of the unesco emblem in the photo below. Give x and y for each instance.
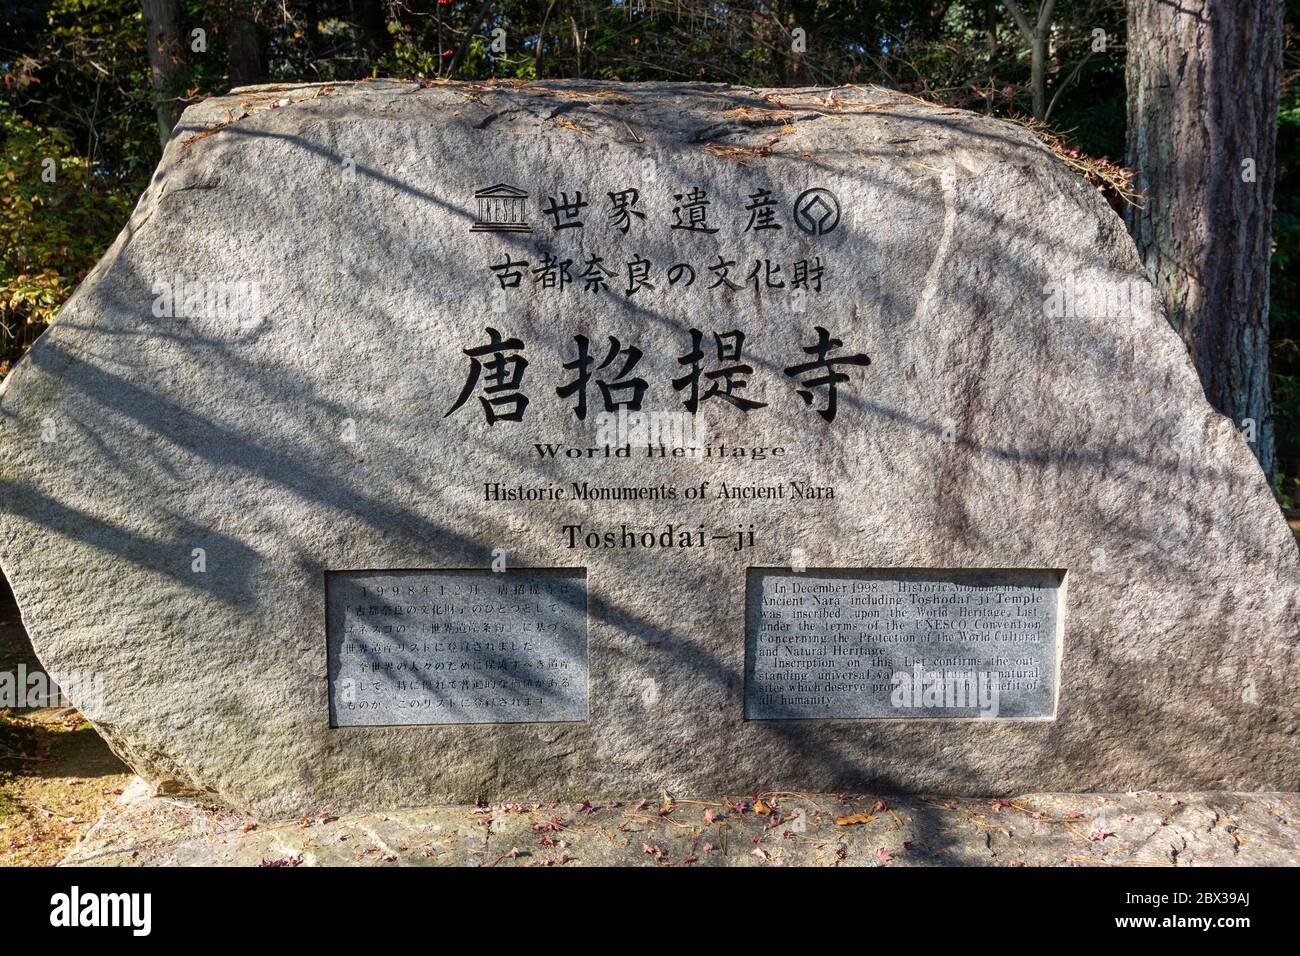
(501, 209)
(817, 211)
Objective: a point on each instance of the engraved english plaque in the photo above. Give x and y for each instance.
(900, 643)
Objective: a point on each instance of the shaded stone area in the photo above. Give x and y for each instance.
(1046, 829)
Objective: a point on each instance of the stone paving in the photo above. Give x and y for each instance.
(776, 829)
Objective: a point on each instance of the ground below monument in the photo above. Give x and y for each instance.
(785, 829)
(57, 776)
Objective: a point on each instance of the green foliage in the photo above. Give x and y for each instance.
(51, 233)
(98, 92)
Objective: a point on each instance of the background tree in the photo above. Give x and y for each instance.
(1204, 78)
(162, 26)
(243, 44)
(1036, 33)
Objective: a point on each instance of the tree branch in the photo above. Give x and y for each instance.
(1045, 16)
(1060, 88)
(541, 40)
(469, 35)
(1022, 24)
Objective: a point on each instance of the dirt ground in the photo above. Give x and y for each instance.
(57, 777)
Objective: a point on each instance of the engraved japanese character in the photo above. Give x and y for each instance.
(692, 211)
(832, 379)
(595, 276)
(725, 382)
(505, 373)
(622, 209)
(553, 273)
(509, 273)
(638, 276)
(762, 211)
(565, 212)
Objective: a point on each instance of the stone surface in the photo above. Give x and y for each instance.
(901, 644)
(456, 647)
(265, 380)
(791, 829)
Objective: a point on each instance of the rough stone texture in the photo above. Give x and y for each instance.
(983, 434)
(1040, 829)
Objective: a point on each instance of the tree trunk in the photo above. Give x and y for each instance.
(1038, 76)
(243, 47)
(373, 20)
(1203, 87)
(779, 59)
(1036, 34)
(162, 24)
(577, 48)
(461, 50)
(311, 18)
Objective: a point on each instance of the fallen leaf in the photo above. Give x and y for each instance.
(852, 819)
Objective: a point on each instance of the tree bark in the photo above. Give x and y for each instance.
(1038, 76)
(162, 24)
(1203, 87)
(780, 57)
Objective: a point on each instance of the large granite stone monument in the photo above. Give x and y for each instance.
(419, 444)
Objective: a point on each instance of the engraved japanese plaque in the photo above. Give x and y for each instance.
(897, 643)
(457, 646)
